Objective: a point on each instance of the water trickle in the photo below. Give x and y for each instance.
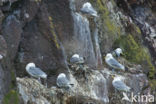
(82, 37)
(97, 48)
(85, 44)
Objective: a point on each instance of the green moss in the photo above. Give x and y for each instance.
(138, 30)
(13, 77)
(110, 26)
(153, 84)
(131, 44)
(132, 51)
(107, 24)
(11, 98)
(53, 33)
(13, 80)
(135, 53)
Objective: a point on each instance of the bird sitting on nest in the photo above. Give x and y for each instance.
(35, 72)
(63, 82)
(119, 85)
(76, 59)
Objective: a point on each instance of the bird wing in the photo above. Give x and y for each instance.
(114, 63)
(62, 81)
(119, 85)
(36, 72)
(88, 10)
(74, 60)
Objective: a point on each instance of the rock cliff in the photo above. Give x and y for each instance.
(49, 32)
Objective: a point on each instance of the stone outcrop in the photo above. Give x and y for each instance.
(95, 88)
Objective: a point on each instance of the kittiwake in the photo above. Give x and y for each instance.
(35, 72)
(87, 8)
(76, 59)
(120, 85)
(63, 82)
(111, 61)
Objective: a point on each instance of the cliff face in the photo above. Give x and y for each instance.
(49, 32)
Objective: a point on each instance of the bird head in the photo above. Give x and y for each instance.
(108, 56)
(62, 75)
(119, 51)
(76, 56)
(29, 65)
(87, 5)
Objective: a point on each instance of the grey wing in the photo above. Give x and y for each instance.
(37, 72)
(92, 10)
(86, 10)
(115, 63)
(119, 85)
(74, 60)
(62, 81)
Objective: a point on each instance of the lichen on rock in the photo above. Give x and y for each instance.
(11, 97)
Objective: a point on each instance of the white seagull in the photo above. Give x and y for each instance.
(76, 59)
(111, 61)
(33, 71)
(87, 8)
(118, 52)
(63, 82)
(120, 85)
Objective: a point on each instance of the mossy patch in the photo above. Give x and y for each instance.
(153, 84)
(13, 80)
(132, 51)
(136, 53)
(107, 24)
(138, 30)
(53, 33)
(11, 98)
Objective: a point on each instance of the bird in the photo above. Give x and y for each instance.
(63, 82)
(118, 52)
(35, 72)
(1, 57)
(76, 59)
(120, 85)
(87, 8)
(112, 62)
